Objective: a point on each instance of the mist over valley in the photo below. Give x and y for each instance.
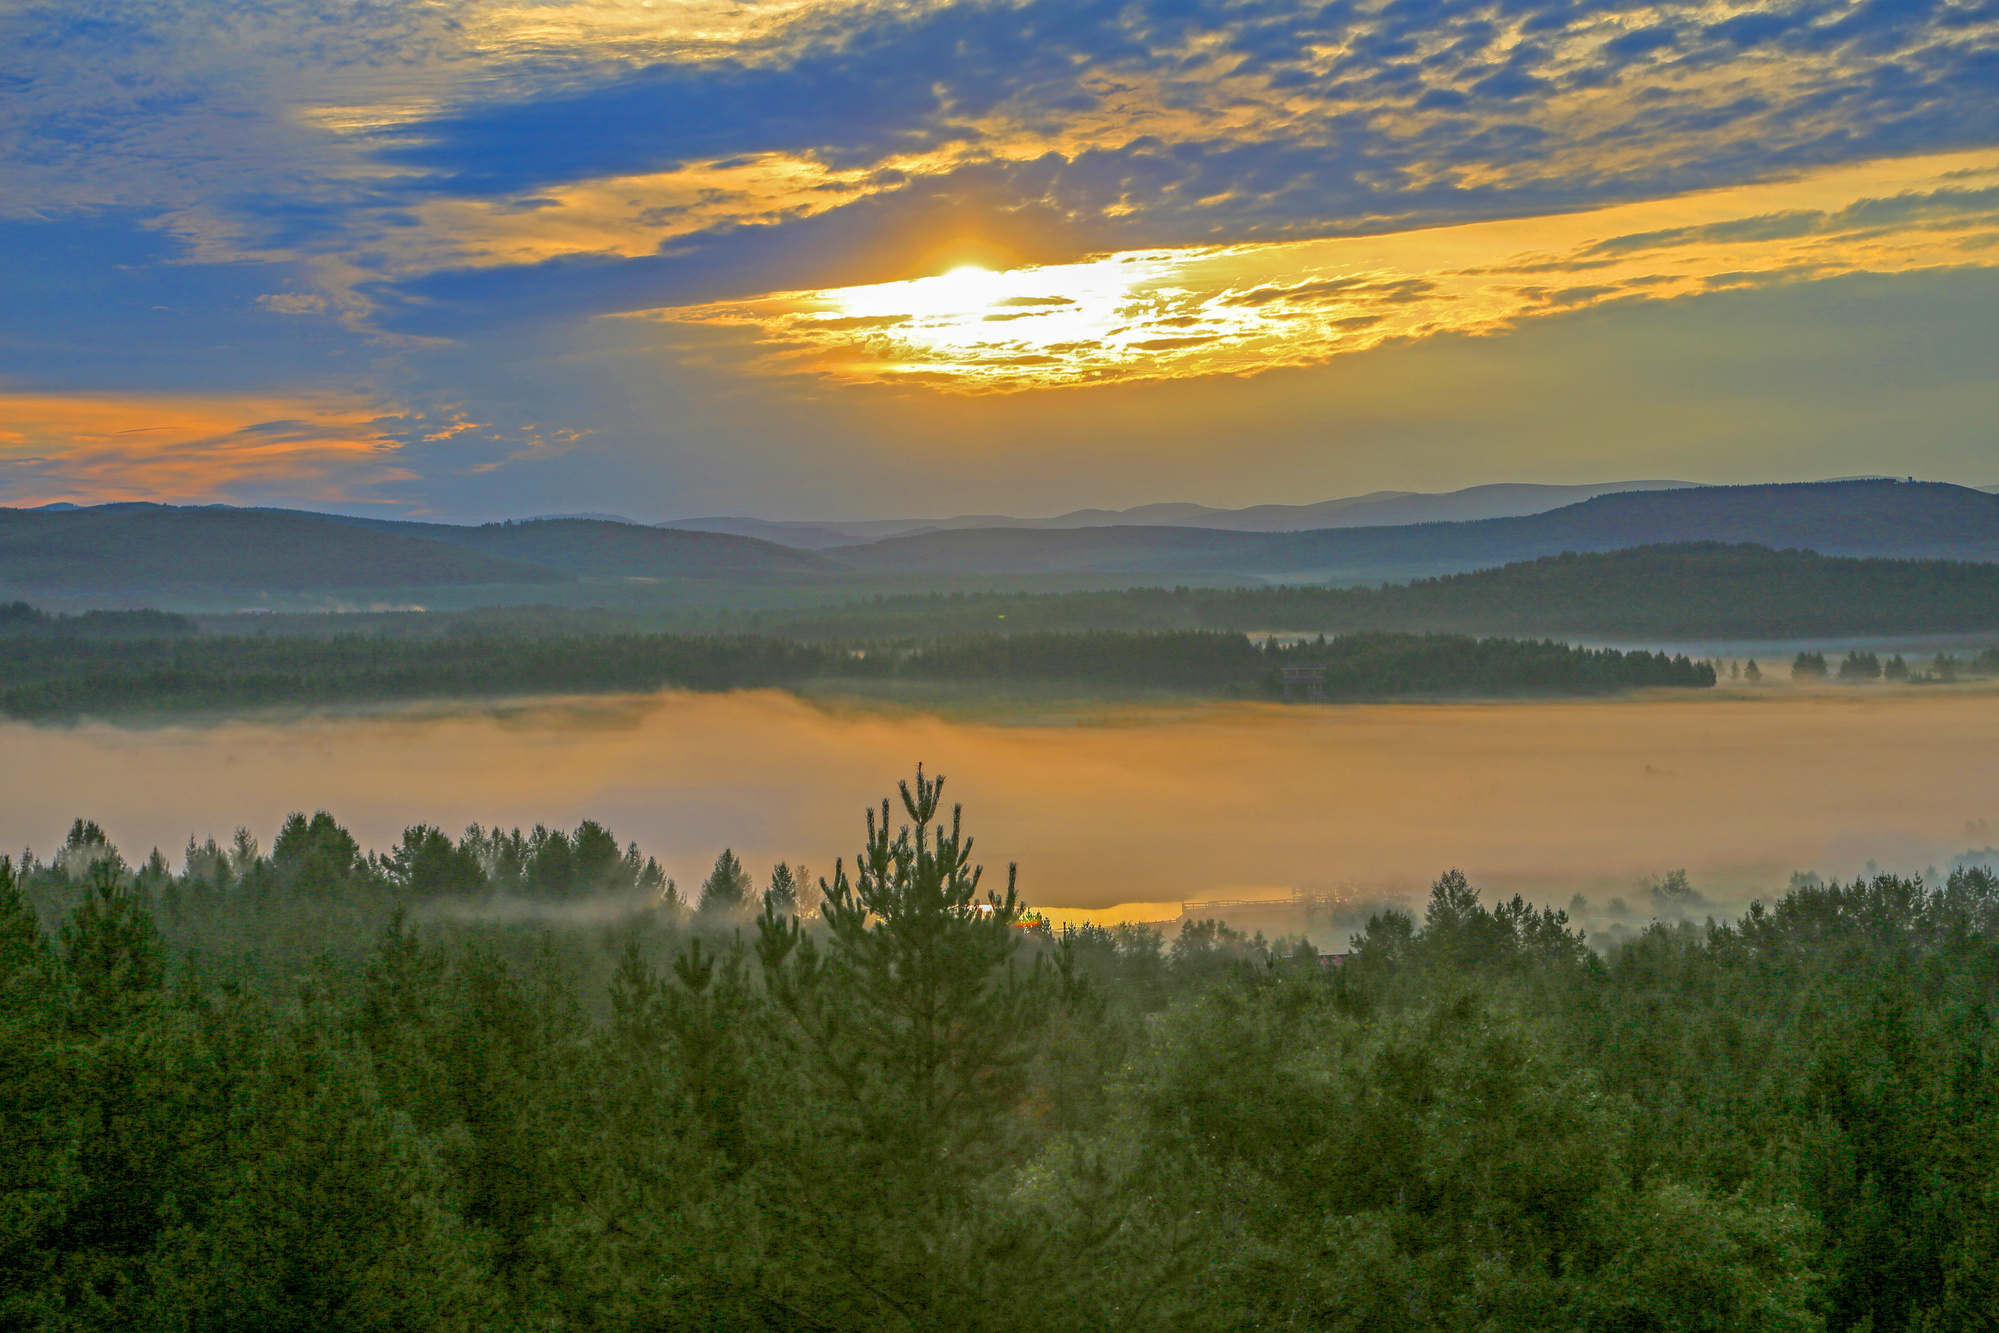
(999, 666)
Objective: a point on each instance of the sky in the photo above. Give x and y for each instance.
(467, 259)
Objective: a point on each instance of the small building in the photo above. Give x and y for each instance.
(1304, 682)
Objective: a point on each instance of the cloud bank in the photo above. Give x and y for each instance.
(291, 200)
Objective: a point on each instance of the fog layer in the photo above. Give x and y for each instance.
(1138, 806)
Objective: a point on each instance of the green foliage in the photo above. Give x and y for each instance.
(111, 952)
(317, 856)
(1444, 1168)
(919, 1108)
(1680, 590)
(430, 865)
(65, 678)
(1860, 666)
(727, 888)
(19, 618)
(915, 1032)
(549, 863)
(782, 897)
(1356, 666)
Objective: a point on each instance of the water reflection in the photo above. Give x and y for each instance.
(1146, 806)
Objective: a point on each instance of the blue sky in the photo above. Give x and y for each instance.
(479, 260)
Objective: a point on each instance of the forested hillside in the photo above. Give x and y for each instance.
(1907, 520)
(140, 548)
(598, 547)
(55, 677)
(1691, 589)
(22, 620)
(328, 1089)
(1376, 509)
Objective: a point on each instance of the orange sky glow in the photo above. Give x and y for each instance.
(1241, 309)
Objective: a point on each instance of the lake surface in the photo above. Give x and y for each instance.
(1104, 806)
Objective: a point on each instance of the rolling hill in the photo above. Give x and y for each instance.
(1378, 509)
(135, 548)
(609, 548)
(1908, 520)
(1688, 590)
(143, 548)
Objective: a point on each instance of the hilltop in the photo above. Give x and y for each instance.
(119, 549)
(611, 548)
(137, 549)
(1376, 509)
(145, 550)
(1694, 589)
(1910, 520)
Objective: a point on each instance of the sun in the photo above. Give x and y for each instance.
(969, 315)
(966, 289)
(976, 281)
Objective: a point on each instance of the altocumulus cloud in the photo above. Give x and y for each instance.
(339, 188)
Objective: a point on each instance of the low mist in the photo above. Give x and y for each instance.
(1139, 807)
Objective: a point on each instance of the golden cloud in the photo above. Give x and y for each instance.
(1241, 309)
(190, 449)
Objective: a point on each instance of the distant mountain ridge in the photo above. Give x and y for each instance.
(1911, 520)
(152, 548)
(612, 548)
(1376, 509)
(138, 548)
(144, 548)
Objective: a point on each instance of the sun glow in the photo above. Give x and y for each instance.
(970, 316)
(1247, 308)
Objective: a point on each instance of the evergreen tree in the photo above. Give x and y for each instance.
(915, 1031)
(36, 1167)
(596, 854)
(111, 952)
(317, 855)
(1860, 666)
(129, 1165)
(549, 864)
(727, 889)
(781, 897)
(429, 865)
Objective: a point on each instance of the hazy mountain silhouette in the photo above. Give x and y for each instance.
(612, 548)
(1376, 509)
(1868, 517)
(143, 547)
(139, 547)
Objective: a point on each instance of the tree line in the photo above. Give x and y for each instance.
(65, 677)
(1862, 666)
(22, 619)
(892, 1105)
(1679, 590)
